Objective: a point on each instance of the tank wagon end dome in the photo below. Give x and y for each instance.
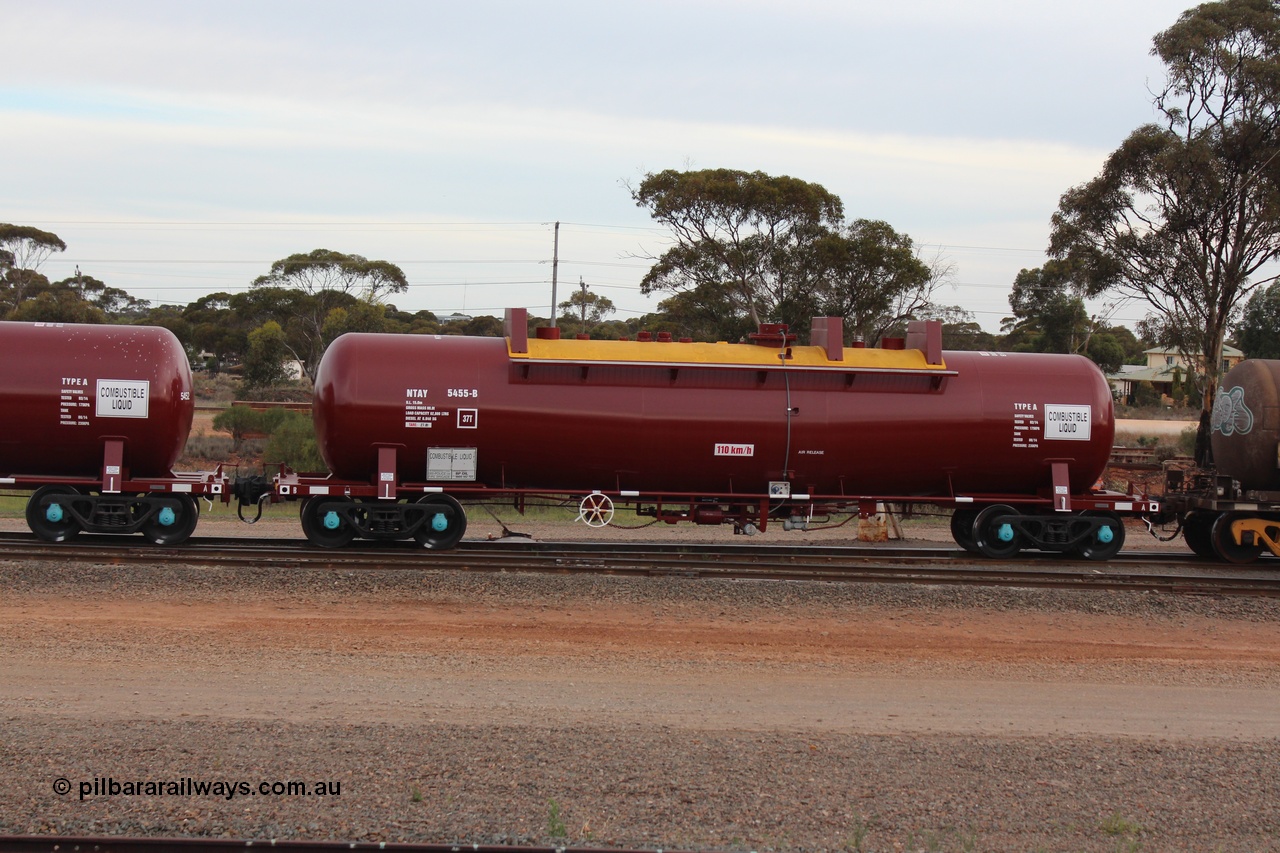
(65, 388)
(1245, 424)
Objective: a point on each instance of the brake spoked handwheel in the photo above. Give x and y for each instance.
(595, 510)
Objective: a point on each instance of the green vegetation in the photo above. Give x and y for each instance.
(556, 827)
(269, 435)
(1127, 832)
(14, 504)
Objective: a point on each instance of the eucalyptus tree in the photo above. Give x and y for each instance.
(26, 248)
(303, 291)
(22, 250)
(871, 276)
(1186, 212)
(735, 235)
(1258, 333)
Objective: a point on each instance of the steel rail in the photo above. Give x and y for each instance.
(831, 564)
(716, 550)
(127, 844)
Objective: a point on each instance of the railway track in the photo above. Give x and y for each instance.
(1137, 572)
(124, 844)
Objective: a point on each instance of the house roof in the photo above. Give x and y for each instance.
(1227, 350)
(1142, 373)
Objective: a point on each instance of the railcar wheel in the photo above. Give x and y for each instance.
(1106, 541)
(596, 510)
(445, 524)
(962, 529)
(1197, 530)
(323, 525)
(1225, 544)
(51, 520)
(993, 538)
(173, 524)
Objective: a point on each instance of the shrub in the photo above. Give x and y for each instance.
(293, 442)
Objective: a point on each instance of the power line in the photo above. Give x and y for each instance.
(529, 225)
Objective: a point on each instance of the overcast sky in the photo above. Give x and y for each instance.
(180, 148)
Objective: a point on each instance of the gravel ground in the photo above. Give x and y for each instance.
(650, 787)
(538, 709)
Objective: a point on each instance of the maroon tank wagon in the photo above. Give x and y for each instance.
(95, 418)
(747, 434)
(1233, 511)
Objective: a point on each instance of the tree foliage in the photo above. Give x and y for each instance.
(265, 358)
(293, 442)
(735, 233)
(24, 247)
(302, 290)
(868, 274)
(22, 250)
(590, 308)
(1186, 212)
(750, 247)
(1258, 333)
(1049, 313)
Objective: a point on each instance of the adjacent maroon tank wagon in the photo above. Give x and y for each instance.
(1233, 511)
(727, 432)
(95, 418)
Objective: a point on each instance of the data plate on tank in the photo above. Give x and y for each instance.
(451, 463)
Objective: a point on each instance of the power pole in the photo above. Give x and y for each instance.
(555, 270)
(582, 284)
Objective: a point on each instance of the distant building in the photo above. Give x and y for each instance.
(455, 317)
(1164, 366)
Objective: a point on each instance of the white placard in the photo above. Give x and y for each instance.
(735, 450)
(451, 464)
(1070, 423)
(122, 398)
